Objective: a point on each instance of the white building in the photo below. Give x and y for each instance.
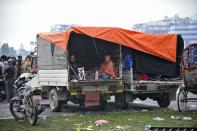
(59, 27)
(188, 32)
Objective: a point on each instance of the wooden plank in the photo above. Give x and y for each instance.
(52, 80)
(53, 72)
(53, 76)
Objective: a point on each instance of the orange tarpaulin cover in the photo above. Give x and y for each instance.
(160, 45)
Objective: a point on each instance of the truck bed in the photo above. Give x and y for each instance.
(153, 86)
(96, 83)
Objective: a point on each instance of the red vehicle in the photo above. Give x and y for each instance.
(189, 71)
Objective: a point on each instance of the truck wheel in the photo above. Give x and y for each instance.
(120, 100)
(163, 102)
(55, 104)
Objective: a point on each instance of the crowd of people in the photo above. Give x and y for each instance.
(10, 69)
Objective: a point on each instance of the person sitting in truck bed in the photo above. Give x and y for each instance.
(73, 68)
(107, 69)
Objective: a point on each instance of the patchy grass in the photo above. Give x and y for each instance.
(127, 120)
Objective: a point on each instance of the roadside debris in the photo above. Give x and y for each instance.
(187, 118)
(144, 110)
(158, 119)
(78, 126)
(120, 127)
(101, 122)
(147, 127)
(44, 117)
(175, 117)
(90, 128)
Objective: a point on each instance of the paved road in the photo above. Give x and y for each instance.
(70, 109)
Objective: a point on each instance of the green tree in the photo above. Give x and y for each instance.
(5, 49)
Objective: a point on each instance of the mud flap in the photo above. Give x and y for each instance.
(92, 98)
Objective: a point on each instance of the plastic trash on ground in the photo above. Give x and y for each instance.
(158, 119)
(147, 127)
(187, 118)
(44, 117)
(175, 117)
(101, 122)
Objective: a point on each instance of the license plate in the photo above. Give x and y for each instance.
(37, 97)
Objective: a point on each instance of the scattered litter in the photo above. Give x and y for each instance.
(144, 110)
(175, 117)
(187, 118)
(64, 115)
(44, 117)
(158, 119)
(175, 109)
(147, 127)
(89, 128)
(101, 122)
(120, 127)
(70, 114)
(78, 124)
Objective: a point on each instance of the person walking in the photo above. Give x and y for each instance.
(25, 68)
(10, 76)
(19, 65)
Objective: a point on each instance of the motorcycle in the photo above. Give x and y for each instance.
(2, 89)
(26, 105)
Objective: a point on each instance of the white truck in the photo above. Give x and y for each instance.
(143, 80)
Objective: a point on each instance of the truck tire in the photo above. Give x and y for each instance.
(55, 104)
(163, 102)
(120, 100)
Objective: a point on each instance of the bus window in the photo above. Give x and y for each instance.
(193, 56)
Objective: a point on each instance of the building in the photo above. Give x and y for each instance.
(59, 27)
(187, 27)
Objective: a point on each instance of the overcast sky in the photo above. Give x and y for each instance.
(21, 20)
